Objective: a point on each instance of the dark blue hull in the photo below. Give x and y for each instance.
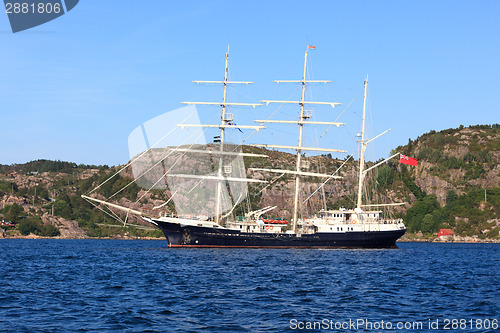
(194, 236)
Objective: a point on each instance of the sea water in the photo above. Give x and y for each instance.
(142, 286)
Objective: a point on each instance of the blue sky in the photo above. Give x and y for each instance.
(75, 88)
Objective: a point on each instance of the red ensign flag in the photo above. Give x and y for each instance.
(407, 160)
(311, 46)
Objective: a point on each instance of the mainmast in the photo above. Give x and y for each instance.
(299, 150)
(362, 150)
(303, 119)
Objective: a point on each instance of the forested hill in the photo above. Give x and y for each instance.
(42, 165)
(43, 197)
(456, 159)
(456, 185)
(457, 180)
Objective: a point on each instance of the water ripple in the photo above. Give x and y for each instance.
(140, 286)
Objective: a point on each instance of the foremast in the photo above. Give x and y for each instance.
(226, 122)
(303, 119)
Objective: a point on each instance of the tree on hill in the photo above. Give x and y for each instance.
(35, 225)
(14, 212)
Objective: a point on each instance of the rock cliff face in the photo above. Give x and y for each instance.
(456, 159)
(68, 228)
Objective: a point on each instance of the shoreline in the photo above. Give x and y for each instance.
(82, 238)
(448, 239)
(481, 241)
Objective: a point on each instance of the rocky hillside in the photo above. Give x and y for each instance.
(456, 185)
(456, 160)
(458, 180)
(47, 203)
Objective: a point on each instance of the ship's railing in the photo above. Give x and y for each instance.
(315, 221)
(151, 211)
(384, 221)
(187, 216)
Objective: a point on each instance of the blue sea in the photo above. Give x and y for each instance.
(142, 286)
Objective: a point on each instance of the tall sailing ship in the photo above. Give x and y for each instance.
(206, 181)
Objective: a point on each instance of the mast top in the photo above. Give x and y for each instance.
(225, 82)
(303, 82)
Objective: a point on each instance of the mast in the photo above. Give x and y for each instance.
(304, 115)
(226, 122)
(363, 144)
(362, 150)
(299, 150)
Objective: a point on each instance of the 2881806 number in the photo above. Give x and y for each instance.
(471, 324)
(25, 8)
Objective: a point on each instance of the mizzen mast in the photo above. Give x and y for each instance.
(303, 119)
(363, 144)
(362, 150)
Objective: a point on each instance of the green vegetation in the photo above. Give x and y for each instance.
(472, 163)
(13, 213)
(35, 225)
(72, 206)
(463, 158)
(345, 201)
(116, 184)
(64, 198)
(48, 166)
(424, 215)
(440, 149)
(466, 214)
(7, 187)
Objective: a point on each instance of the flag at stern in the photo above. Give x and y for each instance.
(407, 160)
